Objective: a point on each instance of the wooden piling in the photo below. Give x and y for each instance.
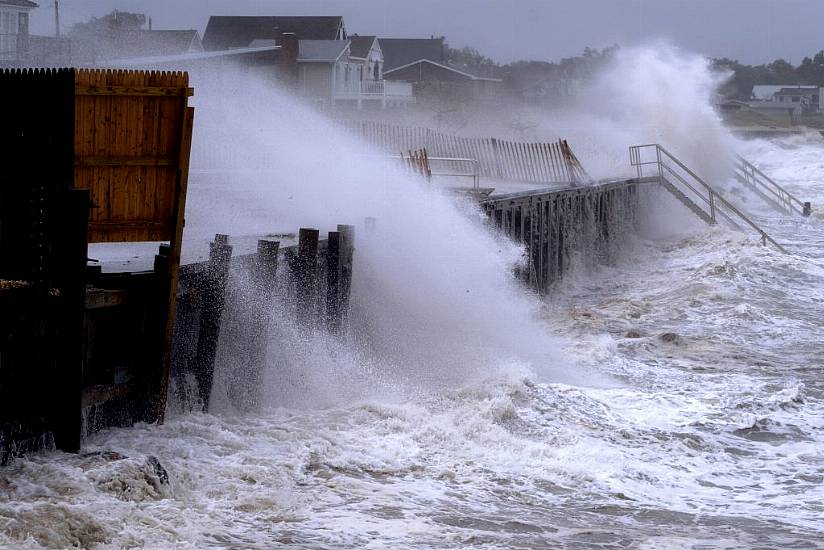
(212, 296)
(333, 277)
(347, 249)
(152, 399)
(305, 274)
(264, 277)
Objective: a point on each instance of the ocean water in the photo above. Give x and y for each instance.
(702, 427)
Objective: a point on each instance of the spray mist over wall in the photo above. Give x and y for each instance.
(434, 299)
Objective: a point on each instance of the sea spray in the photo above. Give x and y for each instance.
(433, 292)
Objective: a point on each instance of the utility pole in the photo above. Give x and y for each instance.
(56, 19)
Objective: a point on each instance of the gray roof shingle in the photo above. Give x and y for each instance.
(402, 51)
(321, 50)
(361, 45)
(224, 32)
(18, 3)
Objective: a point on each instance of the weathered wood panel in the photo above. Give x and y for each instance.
(129, 148)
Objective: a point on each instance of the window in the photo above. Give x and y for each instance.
(23, 23)
(796, 99)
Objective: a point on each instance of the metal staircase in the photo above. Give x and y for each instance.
(697, 195)
(767, 189)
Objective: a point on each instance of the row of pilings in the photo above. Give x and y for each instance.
(229, 302)
(562, 228)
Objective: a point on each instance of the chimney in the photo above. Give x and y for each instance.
(288, 48)
(287, 67)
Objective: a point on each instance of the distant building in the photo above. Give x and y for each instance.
(423, 63)
(811, 99)
(400, 52)
(367, 52)
(317, 58)
(801, 98)
(226, 32)
(14, 30)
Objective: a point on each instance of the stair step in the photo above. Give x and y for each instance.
(689, 203)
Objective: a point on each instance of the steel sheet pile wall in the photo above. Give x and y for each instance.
(497, 158)
(226, 307)
(560, 228)
(42, 261)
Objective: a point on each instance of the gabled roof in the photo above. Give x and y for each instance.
(361, 45)
(321, 51)
(18, 3)
(446, 67)
(398, 52)
(224, 32)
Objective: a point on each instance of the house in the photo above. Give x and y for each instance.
(324, 69)
(423, 64)
(14, 30)
(367, 52)
(317, 59)
(226, 32)
(328, 73)
(808, 98)
(400, 52)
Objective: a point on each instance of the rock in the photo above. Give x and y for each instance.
(158, 468)
(671, 338)
(108, 456)
(633, 334)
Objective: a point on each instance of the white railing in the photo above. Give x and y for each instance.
(398, 89)
(375, 89)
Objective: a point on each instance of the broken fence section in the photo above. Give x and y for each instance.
(552, 162)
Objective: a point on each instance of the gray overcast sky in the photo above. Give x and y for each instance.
(752, 31)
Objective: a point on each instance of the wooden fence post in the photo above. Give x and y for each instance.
(212, 298)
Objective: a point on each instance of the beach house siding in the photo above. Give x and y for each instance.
(14, 29)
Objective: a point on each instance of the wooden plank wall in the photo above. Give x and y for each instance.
(129, 129)
(500, 159)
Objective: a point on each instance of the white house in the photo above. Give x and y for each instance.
(14, 29)
(328, 72)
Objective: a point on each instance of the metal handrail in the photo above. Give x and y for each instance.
(752, 175)
(475, 174)
(712, 198)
